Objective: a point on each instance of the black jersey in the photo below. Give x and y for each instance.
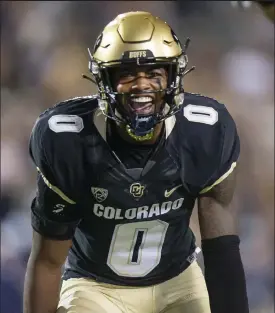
(129, 223)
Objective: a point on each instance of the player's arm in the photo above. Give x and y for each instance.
(54, 220)
(224, 271)
(42, 282)
(54, 217)
(216, 213)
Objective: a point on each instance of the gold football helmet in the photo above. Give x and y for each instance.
(138, 38)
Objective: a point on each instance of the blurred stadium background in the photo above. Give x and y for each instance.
(43, 54)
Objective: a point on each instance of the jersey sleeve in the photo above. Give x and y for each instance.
(229, 153)
(54, 213)
(209, 144)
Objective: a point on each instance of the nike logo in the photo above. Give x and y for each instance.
(168, 193)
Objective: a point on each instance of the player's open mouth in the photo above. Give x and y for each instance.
(142, 105)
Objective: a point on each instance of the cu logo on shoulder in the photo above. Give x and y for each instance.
(137, 190)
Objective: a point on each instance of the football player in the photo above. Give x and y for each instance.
(118, 177)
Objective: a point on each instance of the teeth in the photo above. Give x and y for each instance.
(142, 99)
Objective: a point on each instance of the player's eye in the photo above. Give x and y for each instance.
(125, 74)
(154, 73)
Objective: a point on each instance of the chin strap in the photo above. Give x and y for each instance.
(150, 121)
(148, 136)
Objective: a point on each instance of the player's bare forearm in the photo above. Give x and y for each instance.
(42, 280)
(41, 290)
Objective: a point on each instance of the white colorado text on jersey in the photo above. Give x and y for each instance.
(139, 213)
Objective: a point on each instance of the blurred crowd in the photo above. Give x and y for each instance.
(43, 54)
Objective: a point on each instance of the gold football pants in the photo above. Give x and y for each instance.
(186, 293)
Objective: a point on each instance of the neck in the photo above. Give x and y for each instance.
(156, 134)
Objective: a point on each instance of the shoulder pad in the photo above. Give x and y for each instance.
(55, 142)
(198, 99)
(208, 140)
(65, 118)
(75, 106)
